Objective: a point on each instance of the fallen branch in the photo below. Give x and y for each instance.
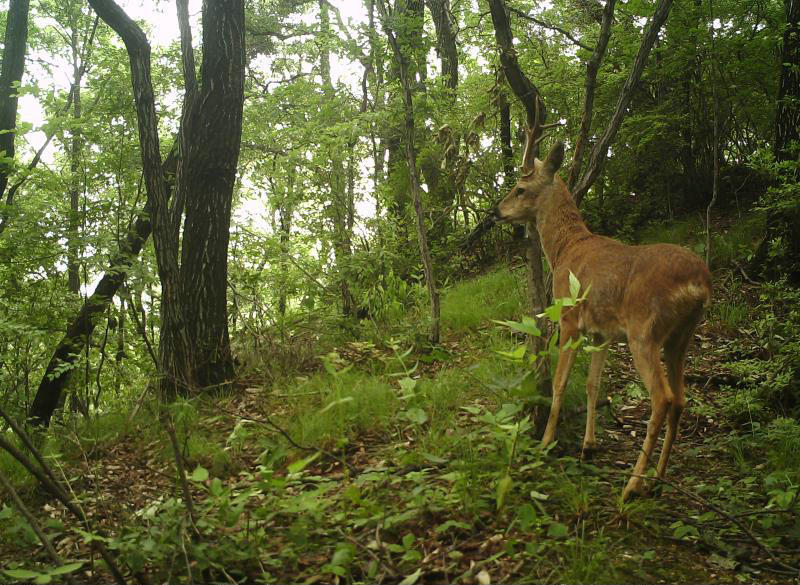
(733, 519)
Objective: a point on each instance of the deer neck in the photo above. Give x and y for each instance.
(559, 223)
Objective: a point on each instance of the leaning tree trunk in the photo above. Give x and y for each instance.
(597, 157)
(16, 41)
(592, 67)
(531, 100)
(58, 370)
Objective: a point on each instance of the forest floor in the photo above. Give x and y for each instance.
(395, 466)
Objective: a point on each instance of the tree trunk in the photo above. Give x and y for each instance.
(73, 246)
(785, 223)
(14, 46)
(209, 158)
(787, 119)
(57, 374)
(597, 157)
(529, 95)
(592, 67)
(445, 42)
(411, 157)
(531, 100)
(339, 207)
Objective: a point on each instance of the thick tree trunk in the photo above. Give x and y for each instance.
(597, 157)
(207, 173)
(14, 46)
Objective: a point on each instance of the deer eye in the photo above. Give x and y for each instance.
(520, 192)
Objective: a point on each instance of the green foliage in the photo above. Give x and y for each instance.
(470, 304)
(345, 403)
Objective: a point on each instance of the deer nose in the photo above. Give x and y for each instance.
(496, 215)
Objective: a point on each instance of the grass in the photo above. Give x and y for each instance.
(431, 447)
(728, 244)
(333, 407)
(473, 303)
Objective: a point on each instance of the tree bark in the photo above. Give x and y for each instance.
(174, 336)
(787, 119)
(411, 156)
(445, 41)
(785, 223)
(73, 274)
(56, 375)
(597, 157)
(592, 67)
(210, 146)
(531, 100)
(339, 207)
(14, 47)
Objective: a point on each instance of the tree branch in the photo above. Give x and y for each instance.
(543, 24)
(598, 155)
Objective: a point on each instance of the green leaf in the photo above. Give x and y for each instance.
(553, 312)
(515, 355)
(539, 496)
(407, 385)
(199, 474)
(417, 416)
(557, 530)
(412, 578)
(503, 487)
(64, 569)
(574, 285)
(335, 403)
(301, 464)
(21, 574)
(527, 326)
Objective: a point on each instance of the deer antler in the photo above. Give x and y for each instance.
(533, 136)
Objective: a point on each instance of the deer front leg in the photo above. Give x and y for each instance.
(566, 358)
(592, 384)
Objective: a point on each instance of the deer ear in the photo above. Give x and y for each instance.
(554, 159)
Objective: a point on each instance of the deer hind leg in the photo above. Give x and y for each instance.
(566, 357)
(675, 350)
(648, 362)
(592, 384)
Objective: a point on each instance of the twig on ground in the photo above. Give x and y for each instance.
(735, 520)
(48, 546)
(267, 421)
(390, 569)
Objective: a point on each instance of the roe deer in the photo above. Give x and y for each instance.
(653, 296)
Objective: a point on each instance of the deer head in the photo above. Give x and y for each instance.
(537, 180)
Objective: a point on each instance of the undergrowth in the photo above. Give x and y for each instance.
(399, 463)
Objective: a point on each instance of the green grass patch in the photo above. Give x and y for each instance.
(728, 244)
(341, 406)
(472, 303)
